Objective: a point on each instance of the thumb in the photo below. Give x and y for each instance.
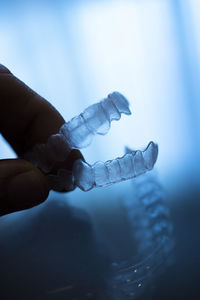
(22, 186)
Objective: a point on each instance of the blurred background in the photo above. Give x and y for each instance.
(74, 53)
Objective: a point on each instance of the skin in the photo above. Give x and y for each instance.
(24, 122)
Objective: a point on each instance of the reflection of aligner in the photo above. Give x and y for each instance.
(149, 221)
(155, 210)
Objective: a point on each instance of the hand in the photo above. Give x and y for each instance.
(26, 119)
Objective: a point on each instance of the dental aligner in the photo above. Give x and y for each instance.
(96, 119)
(102, 174)
(151, 227)
(79, 132)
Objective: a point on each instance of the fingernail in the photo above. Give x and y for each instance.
(26, 190)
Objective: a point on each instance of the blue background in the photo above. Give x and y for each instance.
(74, 53)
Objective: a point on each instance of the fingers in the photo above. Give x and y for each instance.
(22, 186)
(26, 118)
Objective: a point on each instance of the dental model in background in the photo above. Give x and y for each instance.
(78, 133)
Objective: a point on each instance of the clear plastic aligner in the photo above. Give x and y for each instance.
(96, 119)
(79, 131)
(102, 174)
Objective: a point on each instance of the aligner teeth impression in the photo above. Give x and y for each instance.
(78, 133)
(102, 174)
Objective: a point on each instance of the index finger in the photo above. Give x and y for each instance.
(26, 118)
